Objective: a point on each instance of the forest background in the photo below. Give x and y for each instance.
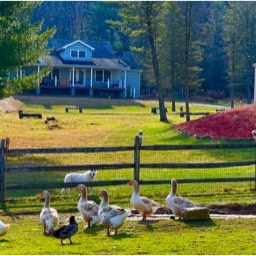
(221, 36)
(186, 49)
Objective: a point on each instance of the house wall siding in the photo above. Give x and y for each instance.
(133, 81)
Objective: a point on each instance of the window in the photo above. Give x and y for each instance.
(99, 75)
(77, 54)
(81, 54)
(106, 75)
(74, 53)
(103, 76)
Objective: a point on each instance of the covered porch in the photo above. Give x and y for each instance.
(78, 81)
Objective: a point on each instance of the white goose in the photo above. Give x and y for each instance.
(88, 209)
(112, 217)
(177, 203)
(4, 228)
(145, 206)
(49, 216)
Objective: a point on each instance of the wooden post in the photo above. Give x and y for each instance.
(2, 171)
(136, 174)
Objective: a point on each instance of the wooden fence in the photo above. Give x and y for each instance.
(136, 165)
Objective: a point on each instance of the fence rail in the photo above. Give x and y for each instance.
(136, 165)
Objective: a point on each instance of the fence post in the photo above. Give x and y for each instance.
(2, 171)
(137, 144)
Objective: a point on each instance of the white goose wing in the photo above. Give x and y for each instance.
(149, 202)
(49, 217)
(4, 228)
(89, 207)
(182, 202)
(108, 212)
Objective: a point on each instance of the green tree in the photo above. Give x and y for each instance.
(144, 19)
(21, 44)
(214, 57)
(192, 52)
(239, 35)
(172, 49)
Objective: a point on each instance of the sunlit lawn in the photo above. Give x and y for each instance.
(164, 236)
(106, 123)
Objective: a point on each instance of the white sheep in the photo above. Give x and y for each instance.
(79, 178)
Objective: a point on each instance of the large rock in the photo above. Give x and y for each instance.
(196, 213)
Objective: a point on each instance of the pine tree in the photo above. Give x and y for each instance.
(143, 19)
(172, 49)
(192, 51)
(21, 44)
(239, 35)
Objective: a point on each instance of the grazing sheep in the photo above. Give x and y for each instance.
(80, 178)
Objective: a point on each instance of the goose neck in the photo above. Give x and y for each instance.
(84, 194)
(47, 201)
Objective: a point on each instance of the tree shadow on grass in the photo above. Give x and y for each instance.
(200, 223)
(93, 231)
(5, 208)
(148, 224)
(122, 235)
(4, 241)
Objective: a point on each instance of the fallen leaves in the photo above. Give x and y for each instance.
(233, 124)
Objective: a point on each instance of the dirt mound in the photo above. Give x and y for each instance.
(233, 124)
(233, 209)
(218, 209)
(9, 104)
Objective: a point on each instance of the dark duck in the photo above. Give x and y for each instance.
(66, 231)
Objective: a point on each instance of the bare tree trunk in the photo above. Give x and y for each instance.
(152, 42)
(173, 100)
(232, 87)
(187, 38)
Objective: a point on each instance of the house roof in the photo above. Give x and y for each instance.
(74, 42)
(103, 55)
(101, 49)
(128, 58)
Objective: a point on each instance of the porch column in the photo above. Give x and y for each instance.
(55, 81)
(91, 89)
(38, 70)
(73, 77)
(254, 100)
(91, 78)
(21, 73)
(38, 81)
(125, 85)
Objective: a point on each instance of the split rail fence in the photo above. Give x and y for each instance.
(136, 165)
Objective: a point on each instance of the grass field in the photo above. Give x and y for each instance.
(160, 237)
(116, 123)
(106, 123)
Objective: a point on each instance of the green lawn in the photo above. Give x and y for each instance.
(169, 237)
(106, 123)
